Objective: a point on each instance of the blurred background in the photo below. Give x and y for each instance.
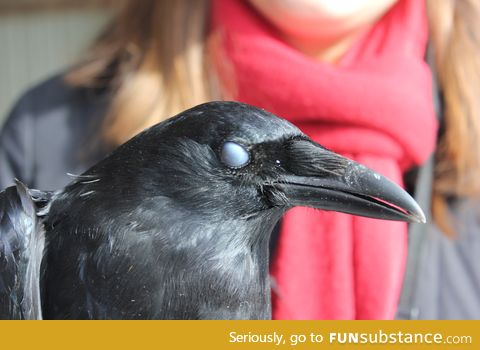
(39, 38)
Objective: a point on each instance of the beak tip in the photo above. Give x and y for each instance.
(419, 217)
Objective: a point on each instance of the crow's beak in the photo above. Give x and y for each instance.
(322, 179)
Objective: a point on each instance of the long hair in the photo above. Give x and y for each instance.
(154, 59)
(455, 38)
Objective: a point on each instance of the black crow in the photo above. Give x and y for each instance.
(175, 223)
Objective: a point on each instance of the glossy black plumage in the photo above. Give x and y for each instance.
(21, 246)
(164, 228)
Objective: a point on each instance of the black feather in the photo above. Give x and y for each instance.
(21, 252)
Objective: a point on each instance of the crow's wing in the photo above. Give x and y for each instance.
(21, 249)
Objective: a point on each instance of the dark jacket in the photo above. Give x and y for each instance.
(446, 281)
(53, 129)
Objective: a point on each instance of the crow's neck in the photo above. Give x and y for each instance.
(167, 262)
(230, 276)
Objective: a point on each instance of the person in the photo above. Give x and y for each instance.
(352, 75)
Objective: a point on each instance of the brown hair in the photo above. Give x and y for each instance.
(153, 58)
(455, 35)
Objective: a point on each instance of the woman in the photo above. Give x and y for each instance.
(352, 76)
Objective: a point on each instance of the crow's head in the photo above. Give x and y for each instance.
(227, 159)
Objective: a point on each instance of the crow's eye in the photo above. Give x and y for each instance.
(234, 155)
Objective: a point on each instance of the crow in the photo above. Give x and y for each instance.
(175, 223)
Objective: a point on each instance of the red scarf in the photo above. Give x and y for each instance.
(374, 106)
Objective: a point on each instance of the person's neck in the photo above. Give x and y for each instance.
(325, 50)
